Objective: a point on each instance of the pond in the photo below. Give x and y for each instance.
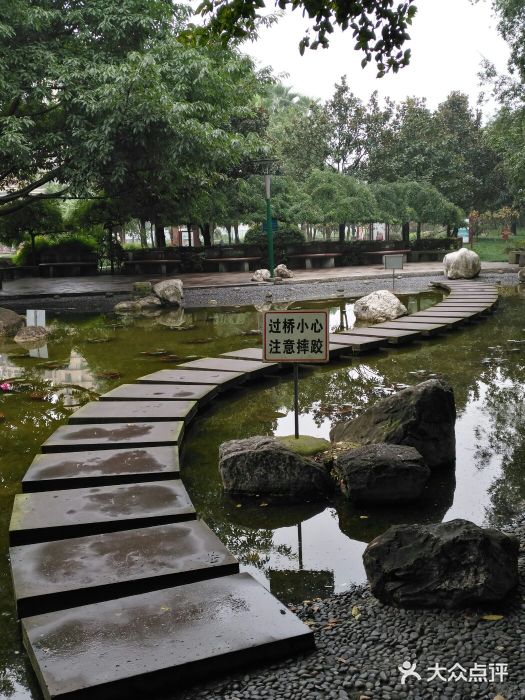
(297, 551)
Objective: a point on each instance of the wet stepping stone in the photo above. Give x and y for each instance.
(66, 470)
(343, 342)
(107, 436)
(162, 392)
(57, 515)
(222, 380)
(144, 645)
(251, 368)
(427, 318)
(423, 328)
(468, 315)
(66, 573)
(392, 337)
(133, 412)
(244, 354)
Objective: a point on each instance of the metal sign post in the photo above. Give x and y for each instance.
(393, 262)
(298, 337)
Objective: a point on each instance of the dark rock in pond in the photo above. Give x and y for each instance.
(382, 473)
(422, 416)
(10, 322)
(448, 565)
(261, 466)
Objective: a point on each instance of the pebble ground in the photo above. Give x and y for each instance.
(361, 644)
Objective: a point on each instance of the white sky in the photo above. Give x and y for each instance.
(449, 38)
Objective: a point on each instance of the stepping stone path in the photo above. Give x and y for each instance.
(122, 592)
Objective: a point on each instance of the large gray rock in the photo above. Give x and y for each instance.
(382, 473)
(448, 565)
(422, 416)
(283, 272)
(378, 307)
(10, 322)
(521, 274)
(31, 336)
(169, 292)
(260, 466)
(147, 303)
(261, 275)
(461, 264)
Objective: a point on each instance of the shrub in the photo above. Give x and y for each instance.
(286, 234)
(59, 246)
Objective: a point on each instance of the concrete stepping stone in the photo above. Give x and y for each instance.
(65, 573)
(244, 354)
(222, 380)
(107, 436)
(56, 515)
(423, 328)
(392, 337)
(449, 313)
(251, 368)
(355, 343)
(162, 392)
(67, 470)
(427, 318)
(145, 645)
(133, 412)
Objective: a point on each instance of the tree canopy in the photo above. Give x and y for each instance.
(379, 27)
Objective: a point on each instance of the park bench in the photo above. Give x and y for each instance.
(379, 253)
(326, 259)
(232, 263)
(162, 267)
(72, 268)
(426, 255)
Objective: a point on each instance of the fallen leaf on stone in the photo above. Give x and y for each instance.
(492, 618)
(238, 505)
(165, 608)
(363, 517)
(262, 505)
(356, 612)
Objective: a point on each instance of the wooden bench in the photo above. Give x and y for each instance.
(74, 268)
(326, 259)
(143, 266)
(376, 253)
(225, 264)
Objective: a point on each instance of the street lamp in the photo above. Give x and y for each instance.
(265, 166)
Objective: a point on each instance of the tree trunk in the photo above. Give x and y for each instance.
(514, 228)
(142, 233)
(229, 232)
(236, 231)
(190, 243)
(418, 233)
(342, 231)
(160, 238)
(151, 235)
(449, 230)
(206, 234)
(33, 249)
(405, 232)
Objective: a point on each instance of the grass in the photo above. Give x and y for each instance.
(495, 250)
(305, 445)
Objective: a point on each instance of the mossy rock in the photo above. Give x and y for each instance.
(304, 445)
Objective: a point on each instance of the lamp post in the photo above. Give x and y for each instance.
(265, 166)
(269, 231)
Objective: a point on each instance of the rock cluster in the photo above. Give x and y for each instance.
(152, 297)
(378, 307)
(461, 264)
(31, 336)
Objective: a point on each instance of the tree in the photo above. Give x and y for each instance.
(379, 27)
(39, 218)
(53, 56)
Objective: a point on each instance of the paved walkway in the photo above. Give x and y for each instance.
(121, 284)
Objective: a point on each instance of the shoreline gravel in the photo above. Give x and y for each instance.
(361, 643)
